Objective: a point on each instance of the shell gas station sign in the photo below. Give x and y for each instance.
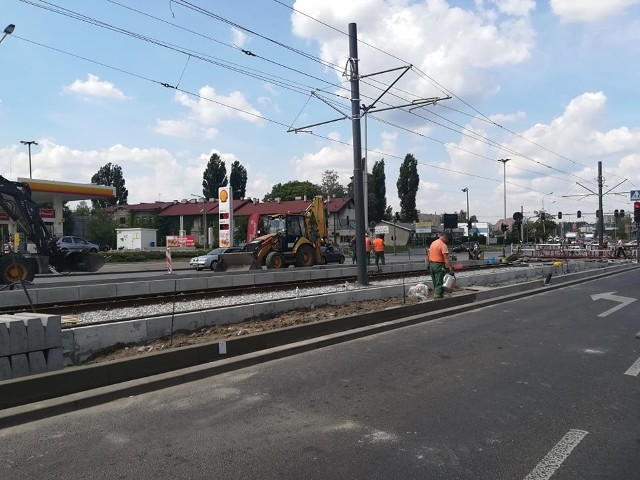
(225, 210)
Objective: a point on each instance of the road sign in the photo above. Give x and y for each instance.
(635, 195)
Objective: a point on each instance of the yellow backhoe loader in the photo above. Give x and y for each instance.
(291, 239)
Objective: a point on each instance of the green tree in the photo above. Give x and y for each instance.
(331, 187)
(379, 189)
(101, 228)
(110, 175)
(408, 182)
(215, 176)
(291, 190)
(67, 220)
(83, 208)
(238, 180)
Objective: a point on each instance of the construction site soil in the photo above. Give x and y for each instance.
(251, 326)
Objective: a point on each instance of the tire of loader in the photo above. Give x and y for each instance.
(274, 260)
(15, 268)
(304, 256)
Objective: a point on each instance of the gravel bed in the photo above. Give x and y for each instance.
(167, 307)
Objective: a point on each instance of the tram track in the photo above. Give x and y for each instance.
(71, 309)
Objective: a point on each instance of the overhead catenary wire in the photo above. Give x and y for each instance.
(244, 70)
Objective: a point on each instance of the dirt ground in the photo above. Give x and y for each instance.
(221, 332)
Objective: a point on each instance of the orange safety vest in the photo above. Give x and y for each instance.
(367, 244)
(378, 244)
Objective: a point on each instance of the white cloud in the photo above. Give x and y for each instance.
(589, 11)
(94, 87)
(515, 7)
(452, 45)
(212, 108)
(239, 37)
(175, 128)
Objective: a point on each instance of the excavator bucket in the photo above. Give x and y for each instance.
(237, 261)
(77, 262)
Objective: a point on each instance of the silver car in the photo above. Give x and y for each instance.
(210, 259)
(76, 244)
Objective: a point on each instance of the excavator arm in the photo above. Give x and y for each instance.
(15, 199)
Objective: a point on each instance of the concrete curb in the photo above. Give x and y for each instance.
(32, 398)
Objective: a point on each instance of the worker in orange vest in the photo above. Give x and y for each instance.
(367, 248)
(378, 249)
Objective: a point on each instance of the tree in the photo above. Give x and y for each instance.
(331, 187)
(83, 208)
(379, 189)
(238, 180)
(101, 228)
(214, 177)
(291, 190)
(110, 175)
(408, 182)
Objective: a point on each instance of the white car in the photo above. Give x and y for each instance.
(210, 259)
(632, 243)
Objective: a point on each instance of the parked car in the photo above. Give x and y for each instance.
(331, 254)
(632, 243)
(210, 259)
(77, 244)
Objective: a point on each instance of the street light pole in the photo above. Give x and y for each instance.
(28, 144)
(466, 190)
(8, 31)
(504, 234)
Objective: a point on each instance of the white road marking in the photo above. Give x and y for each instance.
(558, 454)
(623, 301)
(634, 369)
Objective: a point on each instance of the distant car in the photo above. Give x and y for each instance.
(632, 243)
(70, 243)
(209, 260)
(331, 254)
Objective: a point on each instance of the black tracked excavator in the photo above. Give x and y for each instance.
(15, 199)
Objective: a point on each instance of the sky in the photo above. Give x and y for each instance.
(156, 87)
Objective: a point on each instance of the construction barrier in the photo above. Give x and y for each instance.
(168, 256)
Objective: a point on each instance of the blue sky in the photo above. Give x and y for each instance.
(552, 85)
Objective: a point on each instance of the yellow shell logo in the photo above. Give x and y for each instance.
(224, 195)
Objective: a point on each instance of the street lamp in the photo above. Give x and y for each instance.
(504, 234)
(8, 31)
(466, 190)
(28, 144)
(204, 217)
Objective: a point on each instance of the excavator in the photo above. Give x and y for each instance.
(15, 267)
(291, 239)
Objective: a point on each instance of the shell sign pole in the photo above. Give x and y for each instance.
(225, 210)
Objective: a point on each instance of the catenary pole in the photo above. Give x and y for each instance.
(357, 154)
(601, 217)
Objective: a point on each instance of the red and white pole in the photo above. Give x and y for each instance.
(168, 255)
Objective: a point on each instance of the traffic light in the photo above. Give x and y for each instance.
(503, 227)
(615, 213)
(469, 225)
(621, 213)
(597, 213)
(559, 215)
(542, 216)
(636, 212)
(579, 214)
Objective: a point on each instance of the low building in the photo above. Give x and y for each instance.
(136, 238)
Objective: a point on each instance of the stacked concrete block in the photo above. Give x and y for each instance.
(30, 343)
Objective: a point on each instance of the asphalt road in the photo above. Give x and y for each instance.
(545, 387)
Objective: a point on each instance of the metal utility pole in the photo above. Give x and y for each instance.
(504, 233)
(466, 190)
(28, 144)
(601, 218)
(354, 79)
